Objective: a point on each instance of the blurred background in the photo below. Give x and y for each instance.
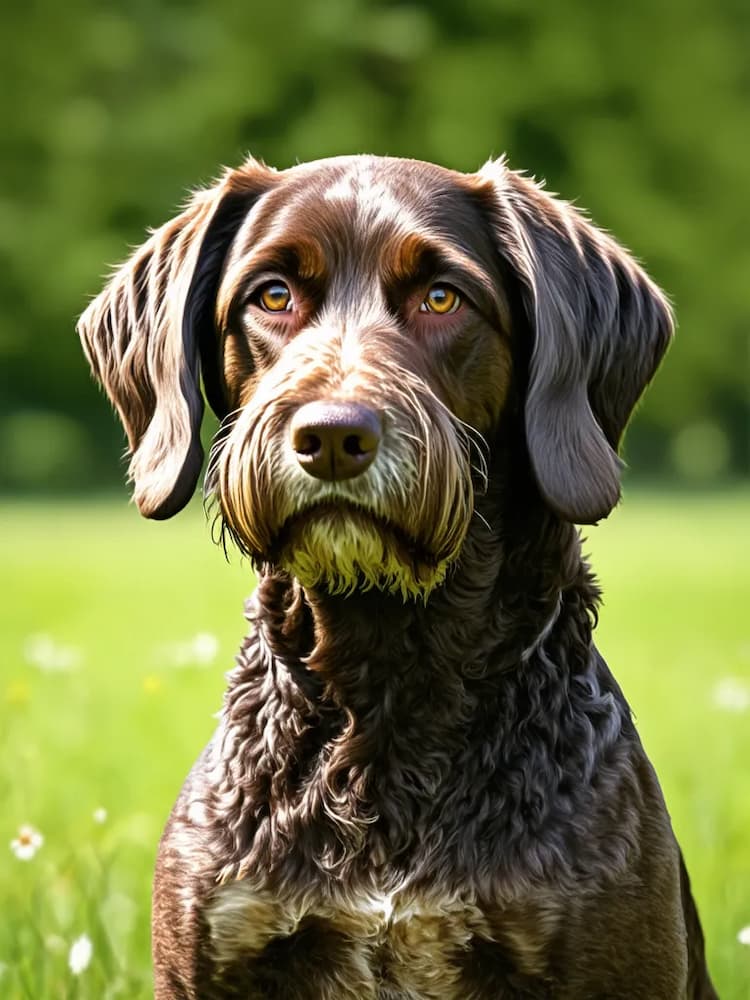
(111, 112)
(115, 632)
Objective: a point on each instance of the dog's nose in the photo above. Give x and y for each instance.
(335, 440)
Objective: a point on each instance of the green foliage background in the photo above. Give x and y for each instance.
(110, 112)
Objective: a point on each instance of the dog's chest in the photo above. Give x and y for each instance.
(366, 945)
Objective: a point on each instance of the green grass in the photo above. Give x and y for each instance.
(121, 729)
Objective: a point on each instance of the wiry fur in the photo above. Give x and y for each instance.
(423, 476)
(425, 783)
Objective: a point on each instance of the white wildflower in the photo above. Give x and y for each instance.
(42, 652)
(27, 843)
(744, 935)
(199, 651)
(732, 694)
(100, 815)
(205, 648)
(80, 954)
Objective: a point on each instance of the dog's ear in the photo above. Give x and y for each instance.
(144, 335)
(600, 327)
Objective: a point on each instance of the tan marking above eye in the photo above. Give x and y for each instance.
(441, 299)
(275, 297)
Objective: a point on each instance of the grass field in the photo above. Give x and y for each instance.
(115, 636)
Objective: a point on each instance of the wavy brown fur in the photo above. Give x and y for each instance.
(425, 783)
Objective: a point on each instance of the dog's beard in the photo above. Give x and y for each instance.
(342, 549)
(341, 545)
(397, 528)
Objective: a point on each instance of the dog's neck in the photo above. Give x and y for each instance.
(521, 570)
(356, 711)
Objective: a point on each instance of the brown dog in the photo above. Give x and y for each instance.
(425, 784)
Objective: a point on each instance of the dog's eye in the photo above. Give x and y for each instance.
(274, 297)
(441, 299)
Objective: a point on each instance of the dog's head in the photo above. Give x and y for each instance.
(358, 323)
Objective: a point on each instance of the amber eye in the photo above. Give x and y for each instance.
(275, 297)
(441, 299)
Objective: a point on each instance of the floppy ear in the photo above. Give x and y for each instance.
(144, 334)
(600, 327)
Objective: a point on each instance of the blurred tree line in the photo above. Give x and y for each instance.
(112, 111)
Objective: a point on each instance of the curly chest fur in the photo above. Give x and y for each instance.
(364, 945)
(355, 890)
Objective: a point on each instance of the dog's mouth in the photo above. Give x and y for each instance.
(345, 547)
(341, 517)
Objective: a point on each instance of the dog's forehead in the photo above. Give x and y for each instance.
(360, 202)
(379, 188)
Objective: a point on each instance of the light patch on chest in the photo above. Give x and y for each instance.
(417, 947)
(381, 904)
(242, 920)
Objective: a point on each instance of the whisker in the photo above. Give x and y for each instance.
(214, 454)
(483, 519)
(477, 443)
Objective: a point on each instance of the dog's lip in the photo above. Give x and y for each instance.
(411, 549)
(338, 508)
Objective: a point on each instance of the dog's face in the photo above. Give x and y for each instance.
(353, 321)
(364, 344)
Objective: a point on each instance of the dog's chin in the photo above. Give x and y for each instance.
(342, 549)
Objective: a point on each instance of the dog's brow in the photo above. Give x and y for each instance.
(405, 261)
(301, 257)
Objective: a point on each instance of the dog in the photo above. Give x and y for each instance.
(425, 783)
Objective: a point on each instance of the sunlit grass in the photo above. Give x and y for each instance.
(116, 633)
